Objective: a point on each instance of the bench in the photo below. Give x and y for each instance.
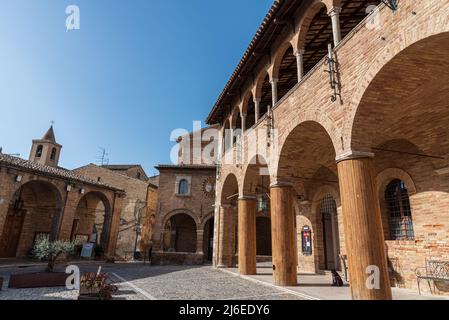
(434, 271)
(344, 260)
(391, 266)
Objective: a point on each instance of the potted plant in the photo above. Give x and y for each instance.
(96, 286)
(49, 251)
(52, 250)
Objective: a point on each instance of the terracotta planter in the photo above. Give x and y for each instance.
(37, 280)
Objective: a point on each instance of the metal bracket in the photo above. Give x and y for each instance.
(333, 73)
(392, 4)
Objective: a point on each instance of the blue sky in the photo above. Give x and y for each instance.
(135, 71)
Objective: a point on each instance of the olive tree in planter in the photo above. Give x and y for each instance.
(52, 250)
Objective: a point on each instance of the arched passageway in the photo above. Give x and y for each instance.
(208, 240)
(34, 213)
(227, 227)
(91, 221)
(180, 234)
(263, 236)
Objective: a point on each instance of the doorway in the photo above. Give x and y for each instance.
(208, 240)
(328, 211)
(11, 233)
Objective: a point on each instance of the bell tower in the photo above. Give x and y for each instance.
(46, 151)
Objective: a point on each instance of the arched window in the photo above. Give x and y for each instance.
(53, 154)
(183, 188)
(398, 204)
(39, 150)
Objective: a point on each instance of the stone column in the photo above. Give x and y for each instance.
(274, 90)
(283, 235)
(199, 241)
(243, 123)
(225, 243)
(334, 13)
(247, 236)
(300, 63)
(257, 109)
(365, 244)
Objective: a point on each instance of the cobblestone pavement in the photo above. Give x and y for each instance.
(139, 282)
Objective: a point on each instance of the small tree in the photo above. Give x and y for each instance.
(51, 250)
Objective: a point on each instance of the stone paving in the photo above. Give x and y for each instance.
(139, 282)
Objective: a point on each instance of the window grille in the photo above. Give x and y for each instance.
(398, 203)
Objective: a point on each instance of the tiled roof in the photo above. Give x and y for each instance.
(184, 166)
(26, 165)
(120, 166)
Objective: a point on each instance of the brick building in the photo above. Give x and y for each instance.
(337, 117)
(138, 205)
(183, 231)
(40, 199)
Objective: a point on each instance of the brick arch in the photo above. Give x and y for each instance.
(229, 187)
(304, 24)
(259, 81)
(246, 98)
(322, 192)
(412, 36)
(307, 115)
(235, 115)
(252, 173)
(176, 212)
(278, 57)
(205, 219)
(51, 187)
(390, 174)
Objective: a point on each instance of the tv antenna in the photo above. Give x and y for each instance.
(103, 159)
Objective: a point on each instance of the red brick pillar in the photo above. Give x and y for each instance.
(226, 232)
(114, 226)
(68, 214)
(6, 194)
(365, 244)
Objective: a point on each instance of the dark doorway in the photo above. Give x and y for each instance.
(208, 241)
(263, 236)
(328, 210)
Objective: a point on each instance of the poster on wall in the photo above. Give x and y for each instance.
(306, 237)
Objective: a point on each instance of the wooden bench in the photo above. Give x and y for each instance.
(434, 271)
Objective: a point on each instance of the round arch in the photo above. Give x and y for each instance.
(92, 219)
(181, 211)
(34, 212)
(304, 149)
(426, 44)
(390, 174)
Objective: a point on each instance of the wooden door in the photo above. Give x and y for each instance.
(11, 233)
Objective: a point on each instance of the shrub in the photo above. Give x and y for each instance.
(51, 250)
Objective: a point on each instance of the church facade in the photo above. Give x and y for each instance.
(336, 121)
